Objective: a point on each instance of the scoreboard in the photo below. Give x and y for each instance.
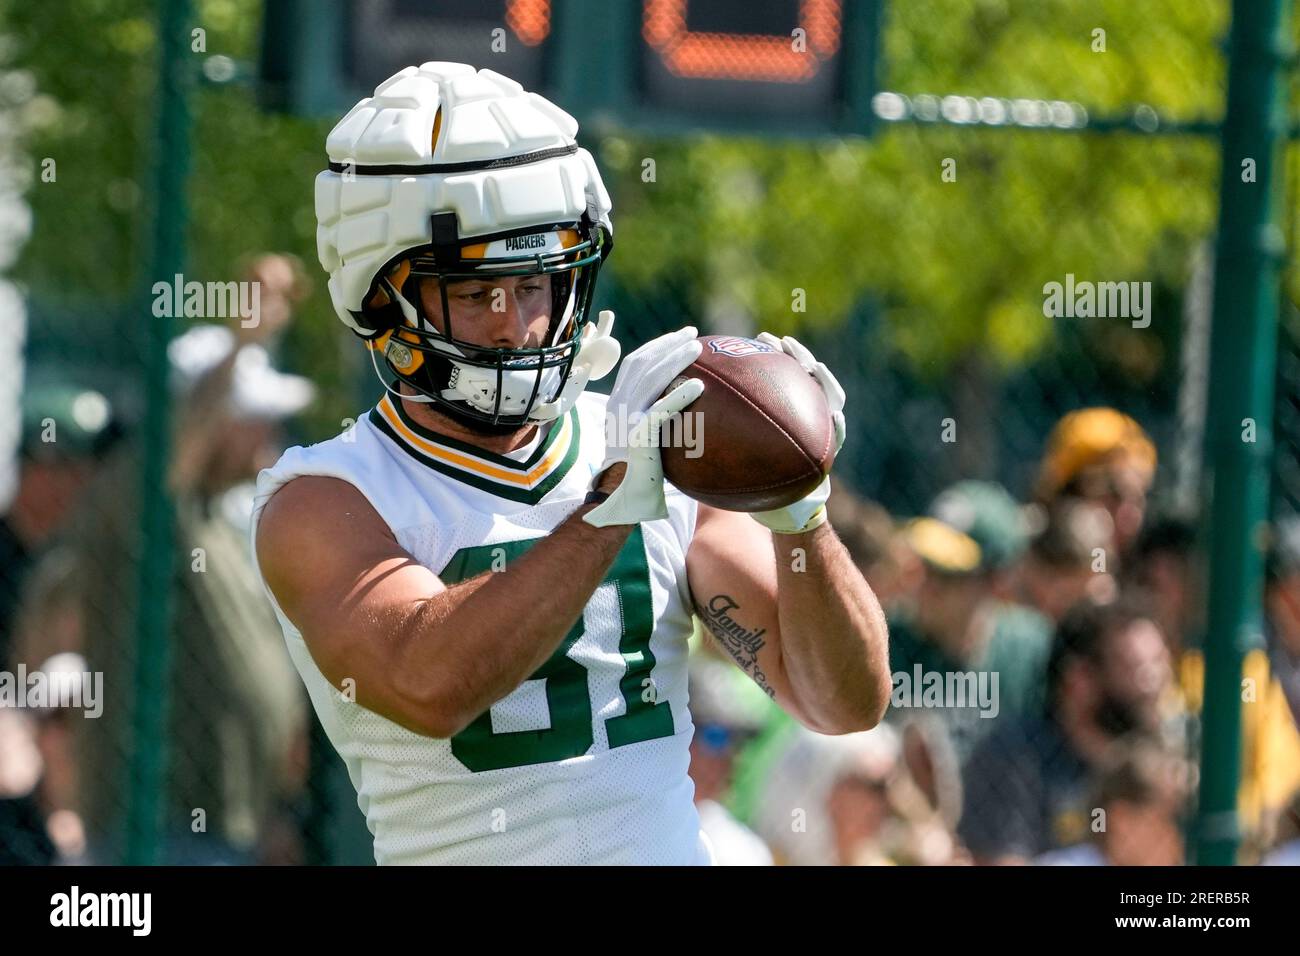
(783, 67)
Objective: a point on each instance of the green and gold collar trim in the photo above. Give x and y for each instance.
(524, 481)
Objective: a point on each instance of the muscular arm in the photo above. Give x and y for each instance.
(807, 629)
(427, 656)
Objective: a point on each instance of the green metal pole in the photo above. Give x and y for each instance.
(1242, 365)
(147, 797)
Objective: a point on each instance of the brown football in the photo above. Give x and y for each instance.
(759, 437)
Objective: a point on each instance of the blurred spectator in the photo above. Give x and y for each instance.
(1271, 694)
(958, 625)
(933, 767)
(66, 431)
(1282, 610)
(24, 839)
(283, 284)
(872, 540)
(237, 716)
(1141, 796)
(857, 803)
(1066, 561)
(754, 756)
(1028, 783)
(1103, 456)
(725, 719)
(1165, 567)
(848, 801)
(1286, 848)
(55, 736)
(989, 516)
(38, 772)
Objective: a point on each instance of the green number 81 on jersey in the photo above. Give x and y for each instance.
(570, 732)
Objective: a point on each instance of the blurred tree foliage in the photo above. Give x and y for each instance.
(251, 175)
(960, 265)
(730, 224)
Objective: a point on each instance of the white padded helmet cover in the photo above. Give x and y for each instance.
(366, 221)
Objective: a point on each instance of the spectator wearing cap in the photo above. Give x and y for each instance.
(1103, 456)
(858, 804)
(849, 801)
(795, 811)
(726, 717)
(237, 718)
(1067, 559)
(1029, 782)
(1137, 813)
(959, 623)
(66, 430)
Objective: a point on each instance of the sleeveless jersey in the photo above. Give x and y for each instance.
(584, 762)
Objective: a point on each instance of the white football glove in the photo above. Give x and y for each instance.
(634, 418)
(598, 353)
(810, 511)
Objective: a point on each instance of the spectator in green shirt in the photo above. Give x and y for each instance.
(960, 633)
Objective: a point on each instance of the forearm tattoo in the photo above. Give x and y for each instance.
(738, 641)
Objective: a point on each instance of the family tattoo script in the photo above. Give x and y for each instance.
(740, 642)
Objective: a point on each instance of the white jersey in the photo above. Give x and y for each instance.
(586, 761)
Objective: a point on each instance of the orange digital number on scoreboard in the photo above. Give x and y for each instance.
(742, 56)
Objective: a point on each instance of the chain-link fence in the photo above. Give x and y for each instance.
(1026, 233)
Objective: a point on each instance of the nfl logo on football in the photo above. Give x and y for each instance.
(733, 345)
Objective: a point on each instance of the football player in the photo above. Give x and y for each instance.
(486, 591)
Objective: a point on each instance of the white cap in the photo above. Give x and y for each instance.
(257, 390)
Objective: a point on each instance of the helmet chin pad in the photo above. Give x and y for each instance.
(519, 390)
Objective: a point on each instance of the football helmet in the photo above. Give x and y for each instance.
(450, 174)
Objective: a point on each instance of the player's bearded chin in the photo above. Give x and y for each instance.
(492, 431)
